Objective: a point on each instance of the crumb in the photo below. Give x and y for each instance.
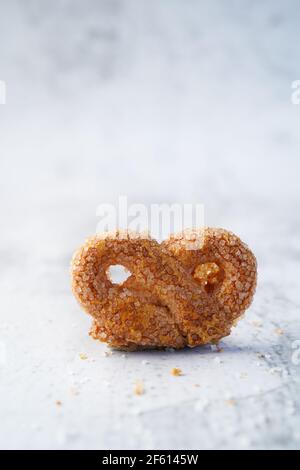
(83, 356)
(275, 370)
(36, 427)
(278, 331)
(231, 402)
(217, 360)
(216, 348)
(176, 371)
(84, 380)
(107, 353)
(139, 388)
(243, 375)
(196, 385)
(58, 403)
(136, 411)
(260, 355)
(257, 323)
(200, 405)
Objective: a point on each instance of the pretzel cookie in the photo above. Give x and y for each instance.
(187, 291)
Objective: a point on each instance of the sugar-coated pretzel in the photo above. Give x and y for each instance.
(187, 291)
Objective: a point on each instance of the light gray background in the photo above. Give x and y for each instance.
(164, 101)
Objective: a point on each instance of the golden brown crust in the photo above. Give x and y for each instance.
(186, 291)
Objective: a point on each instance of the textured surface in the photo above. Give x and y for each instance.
(165, 101)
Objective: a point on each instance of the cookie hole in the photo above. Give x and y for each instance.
(209, 275)
(118, 274)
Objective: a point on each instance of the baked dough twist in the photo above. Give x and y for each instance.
(187, 291)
